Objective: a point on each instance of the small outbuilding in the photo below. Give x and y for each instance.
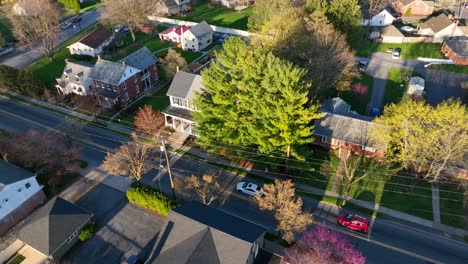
(416, 86)
(391, 34)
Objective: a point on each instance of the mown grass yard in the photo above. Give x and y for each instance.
(397, 83)
(5, 30)
(449, 68)
(408, 50)
(218, 15)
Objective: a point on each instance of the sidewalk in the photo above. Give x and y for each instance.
(299, 186)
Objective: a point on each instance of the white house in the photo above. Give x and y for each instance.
(182, 91)
(20, 193)
(440, 28)
(197, 37)
(382, 19)
(173, 34)
(74, 78)
(93, 43)
(416, 86)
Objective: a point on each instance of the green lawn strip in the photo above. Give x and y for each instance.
(394, 92)
(450, 68)
(359, 103)
(17, 259)
(451, 206)
(5, 30)
(371, 187)
(218, 15)
(408, 50)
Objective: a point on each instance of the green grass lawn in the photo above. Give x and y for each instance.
(450, 68)
(359, 102)
(5, 30)
(394, 93)
(218, 15)
(408, 50)
(451, 206)
(153, 43)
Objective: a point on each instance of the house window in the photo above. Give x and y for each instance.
(126, 96)
(369, 149)
(27, 185)
(124, 85)
(135, 79)
(137, 89)
(179, 102)
(326, 140)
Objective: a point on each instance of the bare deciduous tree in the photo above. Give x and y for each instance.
(131, 159)
(374, 7)
(280, 198)
(131, 13)
(38, 25)
(173, 62)
(206, 187)
(149, 121)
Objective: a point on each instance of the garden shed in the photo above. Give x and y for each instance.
(416, 86)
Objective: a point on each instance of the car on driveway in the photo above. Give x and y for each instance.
(354, 222)
(362, 65)
(250, 188)
(407, 29)
(119, 27)
(396, 53)
(66, 25)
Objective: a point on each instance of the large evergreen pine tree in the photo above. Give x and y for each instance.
(253, 98)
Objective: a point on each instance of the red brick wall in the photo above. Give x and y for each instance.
(154, 73)
(418, 8)
(453, 56)
(356, 149)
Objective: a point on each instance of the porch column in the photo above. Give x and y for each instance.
(165, 120)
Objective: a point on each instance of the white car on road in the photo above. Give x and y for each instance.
(249, 188)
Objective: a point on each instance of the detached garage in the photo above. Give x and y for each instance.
(391, 34)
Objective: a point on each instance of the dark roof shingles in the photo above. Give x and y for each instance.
(437, 23)
(141, 59)
(96, 38)
(10, 173)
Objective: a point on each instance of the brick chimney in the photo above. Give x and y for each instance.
(124, 63)
(99, 57)
(450, 16)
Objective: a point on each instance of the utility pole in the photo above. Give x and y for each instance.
(163, 148)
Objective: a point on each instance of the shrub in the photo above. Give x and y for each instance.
(87, 232)
(150, 198)
(20, 81)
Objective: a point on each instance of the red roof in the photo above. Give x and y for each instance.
(179, 31)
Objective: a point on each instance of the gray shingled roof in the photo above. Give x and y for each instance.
(105, 93)
(178, 112)
(10, 173)
(197, 233)
(185, 85)
(201, 29)
(459, 46)
(437, 23)
(96, 38)
(107, 71)
(406, 2)
(75, 68)
(51, 225)
(335, 105)
(391, 31)
(141, 59)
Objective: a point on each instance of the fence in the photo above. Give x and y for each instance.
(219, 29)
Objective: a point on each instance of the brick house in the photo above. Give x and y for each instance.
(456, 50)
(342, 128)
(416, 7)
(440, 28)
(119, 83)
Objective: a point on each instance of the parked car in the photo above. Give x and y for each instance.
(249, 188)
(66, 24)
(354, 222)
(76, 19)
(396, 53)
(362, 65)
(216, 36)
(407, 29)
(118, 28)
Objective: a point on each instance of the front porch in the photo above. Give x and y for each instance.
(179, 119)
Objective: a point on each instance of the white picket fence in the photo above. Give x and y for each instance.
(219, 29)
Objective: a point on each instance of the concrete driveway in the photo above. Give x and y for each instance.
(122, 228)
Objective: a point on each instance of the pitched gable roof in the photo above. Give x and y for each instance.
(178, 30)
(407, 2)
(185, 85)
(459, 46)
(141, 59)
(197, 233)
(96, 38)
(51, 225)
(437, 23)
(334, 105)
(79, 68)
(391, 31)
(107, 71)
(10, 173)
(201, 29)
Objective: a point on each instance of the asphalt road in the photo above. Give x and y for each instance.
(389, 242)
(25, 55)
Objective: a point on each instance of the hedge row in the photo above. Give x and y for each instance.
(151, 199)
(20, 81)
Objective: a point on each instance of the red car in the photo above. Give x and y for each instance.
(354, 222)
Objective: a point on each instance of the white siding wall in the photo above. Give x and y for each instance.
(382, 19)
(13, 195)
(444, 34)
(81, 49)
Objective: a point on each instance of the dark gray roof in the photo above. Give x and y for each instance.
(459, 46)
(51, 225)
(97, 37)
(141, 59)
(107, 71)
(201, 29)
(178, 112)
(185, 85)
(10, 173)
(197, 233)
(80, 68)
(335, 105)
(391, 31)
(170, 3)
(349, 127)
(437, 23)
(105, 93)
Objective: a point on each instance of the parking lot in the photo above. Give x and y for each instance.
(123, 229)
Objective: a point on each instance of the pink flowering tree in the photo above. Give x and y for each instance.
(360, 89)
(322, 245)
